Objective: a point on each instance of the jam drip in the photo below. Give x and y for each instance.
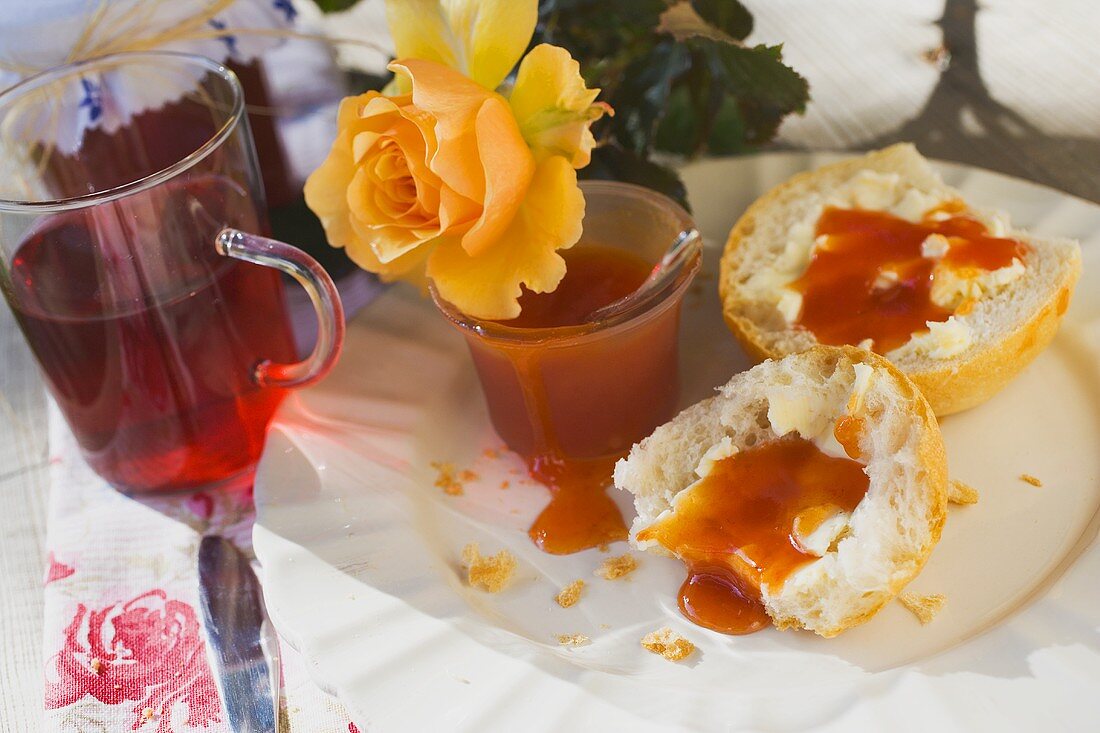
(580, 514)
(718, 598)
(734, 528)
(846, 297)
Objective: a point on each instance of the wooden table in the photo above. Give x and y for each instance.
(1020, 95)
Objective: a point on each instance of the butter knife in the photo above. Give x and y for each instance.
(240, 645)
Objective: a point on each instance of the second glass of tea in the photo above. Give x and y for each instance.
(589, 369)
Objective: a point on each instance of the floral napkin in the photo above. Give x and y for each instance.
(124, 645)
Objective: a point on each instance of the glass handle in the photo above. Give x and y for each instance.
(322, 291)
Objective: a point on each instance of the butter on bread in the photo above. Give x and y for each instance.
(883, 543)
(1002, 319)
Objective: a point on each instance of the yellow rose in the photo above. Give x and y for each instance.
(455, 182)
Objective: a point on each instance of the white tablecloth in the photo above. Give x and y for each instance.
(864, 60)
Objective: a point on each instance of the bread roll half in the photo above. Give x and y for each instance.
(887, 537)
(978, 352)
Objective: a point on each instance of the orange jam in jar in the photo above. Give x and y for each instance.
(589, 369)
(595, 277)
(846, 294)
(735, 528)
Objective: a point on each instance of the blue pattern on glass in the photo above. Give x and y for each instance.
(229, 41)
(93, 99)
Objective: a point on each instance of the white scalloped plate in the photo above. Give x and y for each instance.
(361, 552)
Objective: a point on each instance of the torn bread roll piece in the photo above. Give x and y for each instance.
(954, 296)
(811, 554)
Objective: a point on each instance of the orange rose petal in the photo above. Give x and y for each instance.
(420, 30)
(362, 144)
(493, 34)
(427, 198)
(325, 189)
(326, 192)
(384, 192)
(408, 266)
(508, 165)
(376, 109)
(489, 285)
(350, 205)
(423, 186)
(454, 101)
(372, 221)
(554, 108)
(483, 38)
(456, 212)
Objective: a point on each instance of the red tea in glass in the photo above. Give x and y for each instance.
(164, 355)
(156, 386)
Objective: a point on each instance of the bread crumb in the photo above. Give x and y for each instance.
(467, 475)
(1027, 478)
(570, 594)
(490, 573)
(445, 479)
(617, 567)
(960, 493)
(505, 484)
(605, 626)
(668, 644)
(938, 56)
(147, 713)
(96, 665)
(490, 453)
(573, 639)
(924, 608)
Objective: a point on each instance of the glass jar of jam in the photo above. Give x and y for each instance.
(591, 368)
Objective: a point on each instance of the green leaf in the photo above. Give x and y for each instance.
(765, 90)
(546, 7)
(641, 97)
(335, 6)
(677, 75)
(727, 136)
(614, 163)
(728, 16)
(599, 32)
(678, 130)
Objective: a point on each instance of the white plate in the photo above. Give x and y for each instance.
(361, 551)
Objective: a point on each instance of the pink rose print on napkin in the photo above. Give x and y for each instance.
(56, 570)
(148, 651)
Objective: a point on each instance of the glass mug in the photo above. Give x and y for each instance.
(592, 390)
(130, 204)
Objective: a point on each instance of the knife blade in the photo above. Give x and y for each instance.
(237, 645)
